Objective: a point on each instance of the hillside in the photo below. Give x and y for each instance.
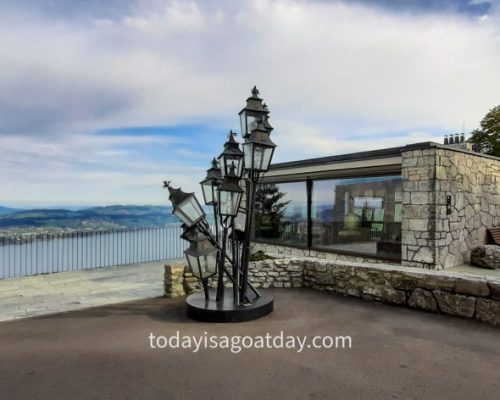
(109, 217)
(7, 210)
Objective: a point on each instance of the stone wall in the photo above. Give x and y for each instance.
(273, 273)
(431, 238)
(285, 251)
(434, 291)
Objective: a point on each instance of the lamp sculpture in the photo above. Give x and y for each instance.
(224, 251)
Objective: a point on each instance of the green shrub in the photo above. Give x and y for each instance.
(260, 256)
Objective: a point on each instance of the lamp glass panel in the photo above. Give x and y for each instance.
(191, 209)
(222, 166)
(243, 124)
(208, 193)
(248, 122)
(226, 161)
(240, 221)
(183, 217)
(196, 205)
(247, 155)
(258, 155)
(229, 202)
(266, 158)
(252, 123)
(238, 164)
(214, 193)
(224, 203)
(236, 202)
(203, 266)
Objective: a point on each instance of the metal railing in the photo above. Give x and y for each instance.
(34, 254)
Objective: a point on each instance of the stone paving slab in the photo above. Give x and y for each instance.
(472, 270)
(75, 290)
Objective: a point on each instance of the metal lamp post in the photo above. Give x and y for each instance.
(258, 152)
(229, 198)
(229, 187)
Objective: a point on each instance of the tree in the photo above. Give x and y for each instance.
(487, 138)
(269, 209)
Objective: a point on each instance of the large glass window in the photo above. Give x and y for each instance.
(359, 215)
(355, 215)
(281, 213)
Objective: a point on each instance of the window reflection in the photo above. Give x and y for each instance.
(360, 215)
(356, 215)
(281, 213)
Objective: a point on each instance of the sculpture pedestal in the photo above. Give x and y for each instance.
(226, 311)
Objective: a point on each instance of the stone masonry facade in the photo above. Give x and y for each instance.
(436, 235)
(432, 291)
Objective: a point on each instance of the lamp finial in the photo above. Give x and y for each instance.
(255, 92)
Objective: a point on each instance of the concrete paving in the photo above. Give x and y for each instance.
(396, 353)
(472, 270)
(65, 291)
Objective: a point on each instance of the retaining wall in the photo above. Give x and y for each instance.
(433, 291)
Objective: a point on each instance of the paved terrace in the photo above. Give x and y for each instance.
(76, 290)
(65, 291)
(396, 353)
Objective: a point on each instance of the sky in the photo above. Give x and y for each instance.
(102, 101)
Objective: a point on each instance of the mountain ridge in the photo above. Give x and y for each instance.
(102, 217)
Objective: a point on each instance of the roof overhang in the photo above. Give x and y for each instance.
(368, 163)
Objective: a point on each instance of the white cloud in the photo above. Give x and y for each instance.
(336, 76)
(177, 60)
(303, 141)
(85, 169)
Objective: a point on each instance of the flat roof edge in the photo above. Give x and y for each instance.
(380, 153)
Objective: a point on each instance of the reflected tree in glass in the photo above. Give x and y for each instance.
(270, 208)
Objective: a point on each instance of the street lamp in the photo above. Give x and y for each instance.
(202, 259)
(228, 201)
(210, 183)
(229, 187)
(209, 188)
(254, 111)
(229, 194)
(232, 155)
(258, 149)
(186, 205)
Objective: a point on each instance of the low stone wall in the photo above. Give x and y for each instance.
(448, 293)
(278, 273)
(285, 251)
(440, 292)
(179, 281)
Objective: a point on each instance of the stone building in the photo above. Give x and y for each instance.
(423, 205)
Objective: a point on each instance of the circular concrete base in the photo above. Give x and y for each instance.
(225, 311)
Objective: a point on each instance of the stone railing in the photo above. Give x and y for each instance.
(434, 291)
